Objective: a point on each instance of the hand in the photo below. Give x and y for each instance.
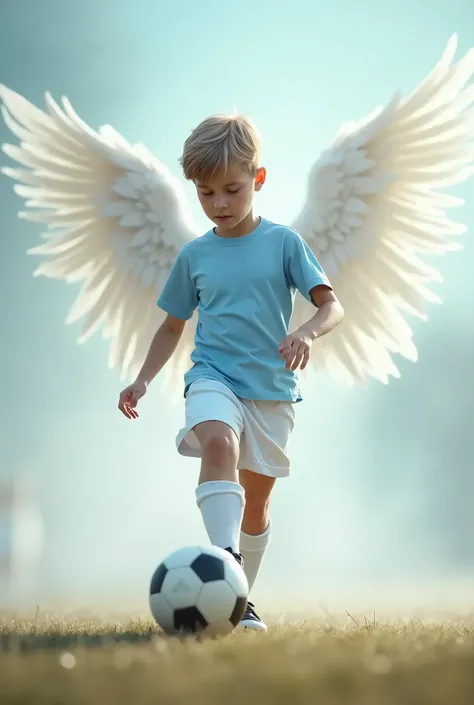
(129, 399)
(295, 349)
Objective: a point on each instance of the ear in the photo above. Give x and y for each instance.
(260, 178)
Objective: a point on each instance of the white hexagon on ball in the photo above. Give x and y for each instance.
(182, 557)
(181, 588)
(236, 579)
(216, 601)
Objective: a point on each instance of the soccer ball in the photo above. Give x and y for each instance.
(199, 590)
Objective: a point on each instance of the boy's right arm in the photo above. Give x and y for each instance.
(162, 347)
(178, 299)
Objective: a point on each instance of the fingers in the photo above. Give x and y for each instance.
(127, 402)
(134, 399)
(296, 357)
(132, 413)
(295, 353)
(293, 356)
(305, 359)
(285, 349)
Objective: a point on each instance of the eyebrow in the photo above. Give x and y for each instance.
(232, 183)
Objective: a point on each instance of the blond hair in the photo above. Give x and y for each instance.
(219, 142)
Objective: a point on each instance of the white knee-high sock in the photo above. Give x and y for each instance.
(222, 507)
(253, 549)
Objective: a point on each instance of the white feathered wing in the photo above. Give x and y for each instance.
(375, 205)
(116, 219)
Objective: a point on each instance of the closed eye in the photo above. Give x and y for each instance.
(209, 193)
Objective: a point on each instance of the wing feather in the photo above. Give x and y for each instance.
(375, 205)
(116, 219)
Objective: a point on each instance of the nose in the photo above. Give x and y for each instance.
(220, 203)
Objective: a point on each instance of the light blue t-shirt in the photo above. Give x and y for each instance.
(244, 289)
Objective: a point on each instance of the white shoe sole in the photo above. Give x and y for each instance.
(252, 624)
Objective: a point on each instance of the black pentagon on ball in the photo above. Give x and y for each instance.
(158, 578)
(189, 620)
(208, 568)
(238, 611)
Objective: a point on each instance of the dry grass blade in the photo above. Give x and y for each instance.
(359, 661)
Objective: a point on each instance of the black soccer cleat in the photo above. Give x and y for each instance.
(238, 556)
(250, 620)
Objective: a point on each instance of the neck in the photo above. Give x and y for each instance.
(245, 227)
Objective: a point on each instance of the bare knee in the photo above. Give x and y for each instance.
(219, 446)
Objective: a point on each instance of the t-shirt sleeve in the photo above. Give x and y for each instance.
(303, 270)
(179, 296)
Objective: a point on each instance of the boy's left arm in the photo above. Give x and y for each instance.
(295, 349)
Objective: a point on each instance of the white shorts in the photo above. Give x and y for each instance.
(262, 427)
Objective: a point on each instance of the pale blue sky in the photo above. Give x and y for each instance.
(116, 495)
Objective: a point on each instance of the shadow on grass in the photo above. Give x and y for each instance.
(25, 643)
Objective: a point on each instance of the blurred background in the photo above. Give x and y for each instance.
(379, 507)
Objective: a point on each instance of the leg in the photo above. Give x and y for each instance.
(255, 534)
(267, 428)
(265, 440)
(219, 451)
(219, 495)
(256, 528)
(257, 492)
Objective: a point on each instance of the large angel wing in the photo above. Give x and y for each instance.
(116, 219)
(375, 204)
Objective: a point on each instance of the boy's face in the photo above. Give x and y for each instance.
(228, 198)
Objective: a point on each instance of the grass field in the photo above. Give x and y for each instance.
(353, 660)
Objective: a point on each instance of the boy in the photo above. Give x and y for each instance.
(241, 389)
